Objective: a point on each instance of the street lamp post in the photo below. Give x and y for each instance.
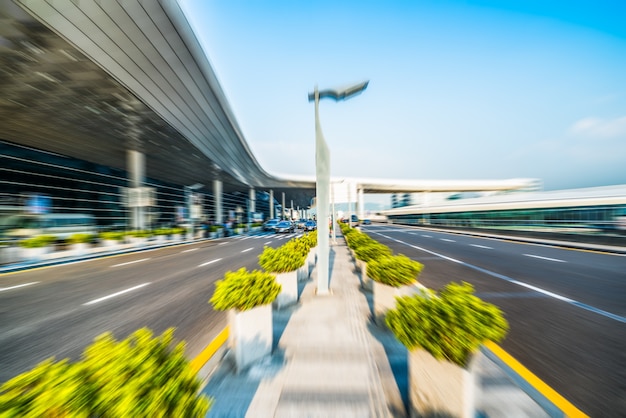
(322, 178)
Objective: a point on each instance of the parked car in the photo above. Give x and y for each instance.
(301, 223)
(284, 226)
(310, 226)
(270, 225)
(367, 222)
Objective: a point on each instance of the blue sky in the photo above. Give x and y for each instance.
(458, 89)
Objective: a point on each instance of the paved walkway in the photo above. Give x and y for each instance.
(330, 360)
(325, 363)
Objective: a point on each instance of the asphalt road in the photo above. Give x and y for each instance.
(566, 308)
(57, 311)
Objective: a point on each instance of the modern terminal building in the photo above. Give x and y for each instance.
(112, 109)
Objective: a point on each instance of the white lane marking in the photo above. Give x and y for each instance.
(2, 289)
(130, 262)
(209, 262)
(545, 258)
(482, 246)
(191, 249)
(268, 243)
(427, 236)
(247, 249)
(519, 283)
(91, 302)
(222, 243)
(447, 240)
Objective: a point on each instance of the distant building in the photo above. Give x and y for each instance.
(400, 200)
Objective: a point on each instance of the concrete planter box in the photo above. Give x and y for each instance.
(212, 235)
(10, 254)
(160, 238)
(175, 237)
(80, 249)
(239, 231)
(138, 241)
(111, 243)
(303, 272)
(311, 259)
(366, 282)
(385, 298)
(35, 254)
(289, 293)
(251, 334)
(439, 388)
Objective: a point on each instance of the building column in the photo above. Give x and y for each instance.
(272, 204)
(251, 202)
(361, 203)
(217, 201)
(136, 164)
(282, 209)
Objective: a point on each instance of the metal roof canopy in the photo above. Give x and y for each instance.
(93, 79)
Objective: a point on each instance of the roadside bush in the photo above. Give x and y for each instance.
(395, 271)
(243, 290)
(140, 234)
(112, 235)
(38, 242)
(370, 250)
(162, 231)
(283, 259)
(450, 326)
(141, 376)
(80, 238)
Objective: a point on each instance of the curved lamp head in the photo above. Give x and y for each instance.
(341, 93)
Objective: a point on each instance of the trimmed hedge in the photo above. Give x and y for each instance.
(38, 242)
(244, 290)
(112, 235)
(398, 270)
(283, 259)
(141, 376)
(80, 238)
(450, 326)
(369, 251)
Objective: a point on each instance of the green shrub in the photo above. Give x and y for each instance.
(140, 234)
(395, 271)
(80, 238)
(38, 241)
(310, 238)
(178, 231)
(112, 235)
(357, 239)
(162, 231)
(283, 259)
(244, 290)
(369, 251)
(450, 326)
(138, 377)
(242, 226)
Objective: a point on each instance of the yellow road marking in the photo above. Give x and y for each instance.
(550, 394)
(209, 351)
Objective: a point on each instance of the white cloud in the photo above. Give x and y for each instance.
(596, 128)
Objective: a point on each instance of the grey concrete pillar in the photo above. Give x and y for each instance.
(361, 203)
(251, 203)
(136, 165)
(217, 200)
(272, 204)
(283, 207)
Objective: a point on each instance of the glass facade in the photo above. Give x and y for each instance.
(60, 184)
(586, 219)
